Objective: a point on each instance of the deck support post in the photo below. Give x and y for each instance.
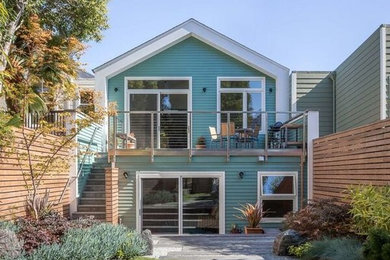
(111, 192)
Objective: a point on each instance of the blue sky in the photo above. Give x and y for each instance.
(300, 34)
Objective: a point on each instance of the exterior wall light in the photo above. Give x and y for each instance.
(241, 175)
(204, 90)
(126, 175)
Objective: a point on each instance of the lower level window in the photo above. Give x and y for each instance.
(277, 193)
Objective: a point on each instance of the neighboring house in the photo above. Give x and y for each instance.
(192, 87)
(355, 93)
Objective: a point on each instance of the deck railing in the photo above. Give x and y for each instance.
(199, 131)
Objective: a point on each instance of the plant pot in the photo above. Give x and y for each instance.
(256, 230)
(200, 146)
(131, 146)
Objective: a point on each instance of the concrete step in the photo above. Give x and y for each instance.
(91, 208)
(96, 215)
(92, 201)
(89, 187)
(93, 194)
(95, 181)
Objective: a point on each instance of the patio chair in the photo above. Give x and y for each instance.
(232, 132)
(255, 137)
(215, 138)
(275, 136)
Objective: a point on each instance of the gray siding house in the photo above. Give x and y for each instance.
(355, 93)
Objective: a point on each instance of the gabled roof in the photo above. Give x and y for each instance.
(183, 31)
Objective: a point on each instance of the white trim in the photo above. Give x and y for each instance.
(382, 73)
(313, 130)
(179, 175)
(293, 91)
(293, 197)
(261, 90)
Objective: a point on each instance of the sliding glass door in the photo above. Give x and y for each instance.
(169, 99)
(180, 205)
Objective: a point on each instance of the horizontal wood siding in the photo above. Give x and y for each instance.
(237, 191)
(12, 186)
(315, 93)
(357, 156)
(358, 86)
(193, 58)
(388, 69)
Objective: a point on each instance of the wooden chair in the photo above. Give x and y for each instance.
(224, 132)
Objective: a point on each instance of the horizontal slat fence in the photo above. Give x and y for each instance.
(357, 156)
(12, 186)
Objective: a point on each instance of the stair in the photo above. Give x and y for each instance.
(92, 200)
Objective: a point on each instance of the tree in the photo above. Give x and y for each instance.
(83, 20)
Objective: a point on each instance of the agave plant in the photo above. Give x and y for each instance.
(252, 213)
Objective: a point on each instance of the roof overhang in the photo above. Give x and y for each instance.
(191, 28)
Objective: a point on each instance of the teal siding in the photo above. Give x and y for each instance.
(388, 68)
(358, 86)
(237, 191)
(83, 140)
(193, 58)
(315, 93)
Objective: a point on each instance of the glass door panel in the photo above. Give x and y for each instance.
(173, 126)
(232, 102)
(140, 124)
(200, 205)
(160, 205)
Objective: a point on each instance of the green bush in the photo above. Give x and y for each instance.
(377, 245)
(9, 225)
(300, 250)
(100, 242)
(335, 249)
(10, 246)
(134, 246)
(370, 208)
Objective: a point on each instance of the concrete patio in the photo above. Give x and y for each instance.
(216, 247)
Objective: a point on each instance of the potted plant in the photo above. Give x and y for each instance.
(253, 214)
(201, 143)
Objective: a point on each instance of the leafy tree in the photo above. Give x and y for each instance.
(83, 20)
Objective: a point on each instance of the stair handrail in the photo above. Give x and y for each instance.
(72, 179)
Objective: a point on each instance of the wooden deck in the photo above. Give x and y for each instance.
(206, 152)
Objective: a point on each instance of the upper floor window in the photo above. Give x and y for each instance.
(158, 84)
(245, 99)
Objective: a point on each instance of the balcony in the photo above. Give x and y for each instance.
(207, 133)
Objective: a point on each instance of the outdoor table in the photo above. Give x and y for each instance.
(244, 134)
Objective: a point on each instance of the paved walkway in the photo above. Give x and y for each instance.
(216, 247)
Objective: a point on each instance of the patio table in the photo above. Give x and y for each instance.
(244, 135)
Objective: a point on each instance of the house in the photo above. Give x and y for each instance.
(204, 125)
(355, 93)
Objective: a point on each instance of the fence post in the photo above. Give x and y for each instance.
(312, 133)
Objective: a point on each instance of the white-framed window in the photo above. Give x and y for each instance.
(245, 95)
(277, 192)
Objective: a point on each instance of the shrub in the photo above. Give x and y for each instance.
(9, 225)
(370, 208)
(252, 213)
(335, 249)
(100, 242)
(134, 246)
(47, 230)
(10, 246)
(322, 218)
(377, 245)
(300, 250)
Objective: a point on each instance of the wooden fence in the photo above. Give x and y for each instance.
(357, 156)
(12, 186)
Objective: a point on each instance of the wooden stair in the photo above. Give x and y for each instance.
(92, 200)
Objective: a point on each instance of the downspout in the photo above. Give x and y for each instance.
(382, 71)
(332, 76)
